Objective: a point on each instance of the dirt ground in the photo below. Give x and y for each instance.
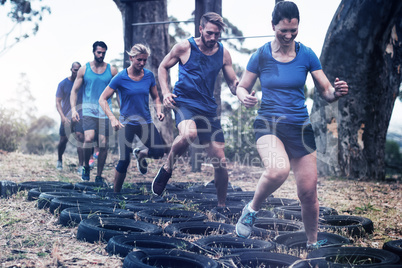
(30, 237)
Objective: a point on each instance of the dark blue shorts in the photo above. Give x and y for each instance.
(208, 127)
(75, 127)
(298, 139)
(100, 125)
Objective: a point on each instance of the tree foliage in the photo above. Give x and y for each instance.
(25, 17)
(40, 137)
(12, 129)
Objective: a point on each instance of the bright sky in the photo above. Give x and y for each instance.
(68, 33)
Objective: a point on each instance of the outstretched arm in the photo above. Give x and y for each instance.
(245, 86)
(179, 51)
(106, 94)
(327, 91)
(229, 73)
(74, 93)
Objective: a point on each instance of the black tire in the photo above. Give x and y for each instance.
(91, 186)
(33, 194)
(275, 226)
(8, 188)
(272, 202)
(351, 257)
(198, 228)
(351, 225)
(298, 240)
(102, 229)
(58, 204)
(136, 197)
(74, 215)
(294, 212)
(124, 244)
(258, 259)
(394, 246)
(224, 245)
(230, 214)
(172, 258)
(45, 199)
(189, 196)
(206, 205)
(135, 207)
(170, 215)
(27, 185)
(107, 192)
(263, 213)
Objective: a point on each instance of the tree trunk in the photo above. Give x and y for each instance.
(156, 37)
(363, 47)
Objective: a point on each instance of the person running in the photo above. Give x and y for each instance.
(134, 85)
(64, 109)
(283, 132)
(200, 60)
(94, 76)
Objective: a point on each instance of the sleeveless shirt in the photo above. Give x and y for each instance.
(195, 86)
(94, 85)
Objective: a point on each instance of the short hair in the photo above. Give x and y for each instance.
(98, 44)
(75, 62)
(285, 10)
(214, 18)
(138, 49)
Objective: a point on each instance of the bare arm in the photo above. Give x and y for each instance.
(63, 118)
(229, 73)
(327, 91)
(158, 105)
(74, 93)
(245, 86)
(106, 94)
(172, 58)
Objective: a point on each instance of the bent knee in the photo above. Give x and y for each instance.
(276, 174)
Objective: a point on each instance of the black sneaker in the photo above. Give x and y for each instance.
(142, 164)
(85, 173)
(99, 179)
(160, 181)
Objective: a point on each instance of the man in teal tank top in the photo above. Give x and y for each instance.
(200, 60)
(94, 76)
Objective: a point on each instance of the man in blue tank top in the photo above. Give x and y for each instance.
(200, 60)
(94, 77)
(66, 126)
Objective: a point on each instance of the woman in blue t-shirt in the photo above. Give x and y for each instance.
(283, 133)
(133, 86)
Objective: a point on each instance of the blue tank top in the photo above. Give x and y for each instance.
(94, 85)
(195, 87)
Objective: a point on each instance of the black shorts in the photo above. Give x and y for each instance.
(74, 127)
(208, 127)
(100, 125)
(298, 139)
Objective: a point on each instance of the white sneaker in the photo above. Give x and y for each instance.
(59, 165)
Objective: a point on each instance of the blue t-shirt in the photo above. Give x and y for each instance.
(134, 97)
(196, 84)
(64, 91)
(94, 85)
(282, 84)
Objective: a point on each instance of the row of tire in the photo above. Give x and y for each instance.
(133, 219)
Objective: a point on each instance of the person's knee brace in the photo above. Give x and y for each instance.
(122, 166)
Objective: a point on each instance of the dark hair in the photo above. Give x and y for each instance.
(214, 18)
(98, 44)
(285, 10)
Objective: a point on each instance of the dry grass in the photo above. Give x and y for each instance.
(30, 237)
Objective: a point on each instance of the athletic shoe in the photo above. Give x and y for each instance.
(85, 173)
(91, 163)
(316, 245)
(96, 155)
(59, 165)
(160, 181)
(99, 179)
(142, 164)
(245, 223)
